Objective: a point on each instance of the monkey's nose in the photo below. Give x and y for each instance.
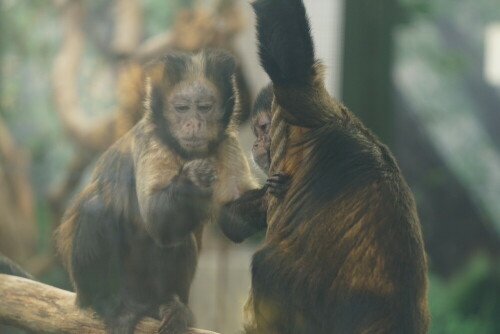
(194, 125)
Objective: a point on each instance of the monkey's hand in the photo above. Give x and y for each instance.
(201, 172)
(278, 184)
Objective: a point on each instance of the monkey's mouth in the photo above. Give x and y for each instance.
(193, 141)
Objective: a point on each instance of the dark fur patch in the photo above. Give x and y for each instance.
(264, 100)
(286, 48)
(220, 67)
(96, 255)
(341, 159)
(244, 216)
(176, 64)
(182, 204)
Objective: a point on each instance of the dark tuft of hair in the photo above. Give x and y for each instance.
(264, 100)
(176, 64)
(286, 48)
(220, 67)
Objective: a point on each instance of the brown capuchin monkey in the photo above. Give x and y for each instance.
(131, 239)
(343, 252)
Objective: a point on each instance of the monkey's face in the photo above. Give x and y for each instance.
(193, 114)
(191, 100)
(261, 124)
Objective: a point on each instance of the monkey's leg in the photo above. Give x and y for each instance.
(96, 264)
(175, 317)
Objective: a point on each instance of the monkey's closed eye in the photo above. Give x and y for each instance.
(181, 108)
(204, 108)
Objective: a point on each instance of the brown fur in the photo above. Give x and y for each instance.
(343, 252)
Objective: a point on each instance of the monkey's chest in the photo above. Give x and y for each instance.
(226, 189)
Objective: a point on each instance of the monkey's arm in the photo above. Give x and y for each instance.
(171, 204)
(286, 53)
(247, 215)
(242, 210)
(244, 216)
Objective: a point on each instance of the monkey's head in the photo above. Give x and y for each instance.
(191, 100)
(261, 126)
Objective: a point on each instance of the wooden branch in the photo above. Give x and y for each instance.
(41, 308)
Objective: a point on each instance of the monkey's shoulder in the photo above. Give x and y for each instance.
(115, 162)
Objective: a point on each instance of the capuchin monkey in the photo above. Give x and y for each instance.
(131, 239)
(343, 252)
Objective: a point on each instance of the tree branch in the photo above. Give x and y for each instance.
(41, 308)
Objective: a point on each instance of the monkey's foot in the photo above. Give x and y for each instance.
(175, 318)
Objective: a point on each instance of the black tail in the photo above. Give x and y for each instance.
(285, 45)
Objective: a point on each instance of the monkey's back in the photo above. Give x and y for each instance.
(345, 253)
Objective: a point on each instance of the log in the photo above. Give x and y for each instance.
(42, 308)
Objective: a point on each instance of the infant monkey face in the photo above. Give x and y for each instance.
(262, 145)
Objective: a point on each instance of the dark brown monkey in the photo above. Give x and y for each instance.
(343, 251)
(247, 215)
(131, 239)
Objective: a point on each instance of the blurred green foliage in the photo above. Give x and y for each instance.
(469, 303)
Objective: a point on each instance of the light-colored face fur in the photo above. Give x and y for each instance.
(193, 110)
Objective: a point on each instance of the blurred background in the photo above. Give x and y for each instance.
(423, 74)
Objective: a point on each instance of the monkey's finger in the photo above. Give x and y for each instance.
(277, 181)
(280, 175)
